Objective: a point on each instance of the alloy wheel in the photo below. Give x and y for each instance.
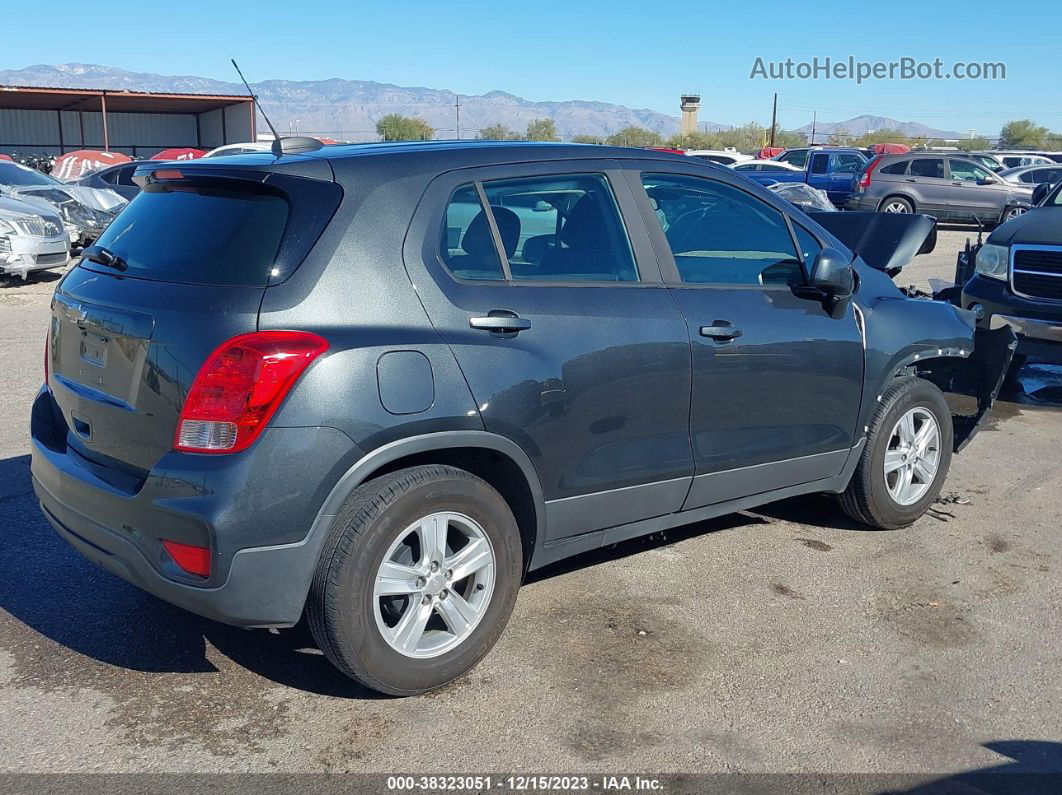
(912, 456)
(896, 207)
(434, 585)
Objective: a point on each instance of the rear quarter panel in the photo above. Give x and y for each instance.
(353, 290)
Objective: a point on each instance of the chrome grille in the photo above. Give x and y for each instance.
(1036, 271)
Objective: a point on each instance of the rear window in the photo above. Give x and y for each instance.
(200, 235)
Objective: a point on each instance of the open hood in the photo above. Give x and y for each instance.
(885, 241)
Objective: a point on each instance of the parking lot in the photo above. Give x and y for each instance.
(782, 639)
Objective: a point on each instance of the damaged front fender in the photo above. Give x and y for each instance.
(978, 376)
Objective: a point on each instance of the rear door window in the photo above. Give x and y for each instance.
(468, 243)
(199, 235)
(849, 164)
(555, 228)
(928, 167)
(820, 164)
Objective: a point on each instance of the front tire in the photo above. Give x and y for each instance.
(906, 457)
(417, 580)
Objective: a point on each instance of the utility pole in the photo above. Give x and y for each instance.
(774, 117)
(814, 120)
(457, 108)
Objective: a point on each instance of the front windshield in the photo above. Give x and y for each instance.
(18, 176)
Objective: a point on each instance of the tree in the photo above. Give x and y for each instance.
(882, 136)
(635, 136)
(693, 140)
(498, 132)
(840, 137)
(1023, 134)
(975, 144)
(542, 130)
(396, 127)
(587, 139)
(790, 138)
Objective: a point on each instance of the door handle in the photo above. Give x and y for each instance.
(908, 179)
(721, 330)
(501, 321)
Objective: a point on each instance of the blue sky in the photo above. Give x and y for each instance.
(634, 53)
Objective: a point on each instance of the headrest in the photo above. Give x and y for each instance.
(478, 241)
(585, 227)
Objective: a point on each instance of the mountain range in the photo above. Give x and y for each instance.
(349, 109)
(866, 123)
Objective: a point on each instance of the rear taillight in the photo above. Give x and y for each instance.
(239, 388)
(864, 181)
(194, 560)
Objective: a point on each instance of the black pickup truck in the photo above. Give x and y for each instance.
(1017, 278)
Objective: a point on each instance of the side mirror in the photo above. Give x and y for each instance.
(832, 273)
(986, 181)
(1040, 192)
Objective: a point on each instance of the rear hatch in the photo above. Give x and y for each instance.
(190, 258)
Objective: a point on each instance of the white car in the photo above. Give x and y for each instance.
(726, 157)
(240, 149)
(31, 239)
(764, 165)
(1015, 159)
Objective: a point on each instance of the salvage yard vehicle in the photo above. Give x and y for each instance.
(1033, 175)
(1017, 279)
(803, 196)
(85, 211)
(942, 185)
(117, 178)
(830, 169)
(765, 165)
(724, 157)
(31, 239)
(367, 397)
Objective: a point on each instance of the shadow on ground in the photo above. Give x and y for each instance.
(47, 586)
(1035, 769)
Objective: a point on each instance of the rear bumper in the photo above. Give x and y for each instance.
(230, 503)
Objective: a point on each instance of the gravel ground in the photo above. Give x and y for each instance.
(784, 639)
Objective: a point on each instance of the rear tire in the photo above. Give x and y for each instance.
(896, 204)
(877, 495)
(391, 604)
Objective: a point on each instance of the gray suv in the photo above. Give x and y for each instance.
(945, 186)
(375, 385)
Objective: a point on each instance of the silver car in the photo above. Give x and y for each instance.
(943, 185)
(31, 239)
(1033, 175)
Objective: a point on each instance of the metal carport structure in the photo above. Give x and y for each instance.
(35, 120)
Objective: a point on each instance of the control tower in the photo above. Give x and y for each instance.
(690, 104)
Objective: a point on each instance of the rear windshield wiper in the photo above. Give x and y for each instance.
(104, 256)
